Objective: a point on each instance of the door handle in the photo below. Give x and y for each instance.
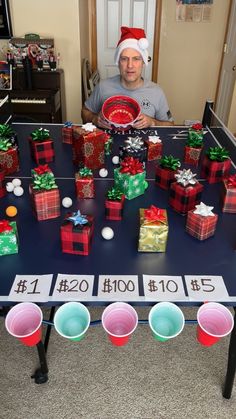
(234, 68)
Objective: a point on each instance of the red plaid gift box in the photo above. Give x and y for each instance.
(192, 155)
(9, 161)
(2, 186)
(42, 151)
(201, 226)
(88, 147)
(76, 239)
(67, 133)
(114, 209)
(184, 198)
(228, 194)
(215, 171)
(84, 186)
(164, 177)
(154, 148)
(45, 204)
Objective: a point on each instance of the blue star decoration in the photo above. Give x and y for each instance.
(78, 218)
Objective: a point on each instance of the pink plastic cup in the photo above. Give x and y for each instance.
(24, 322)
(119, 320)
(214, 322)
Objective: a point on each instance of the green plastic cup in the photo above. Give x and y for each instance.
(166, 321)
(72, 320)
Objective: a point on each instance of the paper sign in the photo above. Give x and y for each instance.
(163, 288)
(73, 287)
(31, 288)
(118, 287)
(206, 288)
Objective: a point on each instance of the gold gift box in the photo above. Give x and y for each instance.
(153, 234)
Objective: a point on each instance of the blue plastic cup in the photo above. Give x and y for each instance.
(72, 320)
(166, 321)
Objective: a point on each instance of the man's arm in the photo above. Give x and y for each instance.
(145, 121)
(88, 116)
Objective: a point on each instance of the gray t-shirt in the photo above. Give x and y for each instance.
(150, 97)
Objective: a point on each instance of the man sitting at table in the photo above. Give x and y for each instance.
(131, 55)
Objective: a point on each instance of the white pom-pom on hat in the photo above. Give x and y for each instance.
(143, 43)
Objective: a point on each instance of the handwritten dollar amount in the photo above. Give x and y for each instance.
(202, 284)
(73, 285)
(162, 286)
(25, 287)
(117, 285)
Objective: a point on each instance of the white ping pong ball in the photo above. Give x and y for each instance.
(103, 172)
(115, 159)
(16, 182)
(18, 191)
(66, 202)
(9, 186)
(107, 233)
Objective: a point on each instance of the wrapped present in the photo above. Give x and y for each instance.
(108, 145)
(201, 222)
(114, 204)
(9, 159)
(67, 132)
(134, 147)
(88, 146)
(228, 194)
(6, 132)
(216, 164)
(165, 172)
(84, 183)
(130, 178)
(154, 147)
(153, 230)
(186, 192)
(195, 132)
(44, 193)
(193, 149)
(76, 233)
(2, 186)
(8, 237)
(41, 146)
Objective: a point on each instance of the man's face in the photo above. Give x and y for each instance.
(130, 65)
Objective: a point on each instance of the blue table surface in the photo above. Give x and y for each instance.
(40, 250)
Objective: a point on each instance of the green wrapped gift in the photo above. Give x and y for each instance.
(154, 229)
(195, 132)
(8, 238)
(130, 178)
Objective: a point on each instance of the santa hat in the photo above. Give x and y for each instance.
(132, 38)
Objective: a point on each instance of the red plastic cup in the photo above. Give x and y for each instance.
(24, 322)
(119, 320)
(214, 322)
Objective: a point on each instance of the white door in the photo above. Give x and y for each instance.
(228, 71)
(111, 15)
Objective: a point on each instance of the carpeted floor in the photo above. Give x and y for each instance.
(92, 379)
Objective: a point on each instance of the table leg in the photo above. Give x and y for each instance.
(229, 379)
(49, 327)
(41, 374)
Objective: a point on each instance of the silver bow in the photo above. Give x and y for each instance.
(133, 143)
(204, 210)
(155, 139)
(186, 177)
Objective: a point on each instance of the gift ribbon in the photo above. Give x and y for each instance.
(153, 214)
(5, 226)
(170, 162)
(131, 166)
(77, 218)
(6, 131)
(194, 142)
(85, 172)
(204, 210)
(89, 127)
(40, 134)
(41, 169)
(108, 145)
(114, 194)
(186, 177)
(197, 127)
(231, 181)
(154, 139)
(44, 182)
(217, 154)
(68, 124)
(133, 144)
(5, 144)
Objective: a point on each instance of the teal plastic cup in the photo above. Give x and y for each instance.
(72, 320)
(166, 321)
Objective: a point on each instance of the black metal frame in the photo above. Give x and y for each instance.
(6, 30)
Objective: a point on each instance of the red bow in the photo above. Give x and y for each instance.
(154, 214)
(5, 226)
(131, 166)
(197, 127)
(231, 181)
(43, 168)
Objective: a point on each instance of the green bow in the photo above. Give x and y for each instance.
(40, 134)
(5, 144)
(194, 142)
(85, 172)
(45, 181)
(170, 162)
(6, 131)
(114, 194)
(217, 154)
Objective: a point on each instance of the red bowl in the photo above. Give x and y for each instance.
(120, 111)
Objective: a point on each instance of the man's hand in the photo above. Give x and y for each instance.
(101, 122)
(143, 121)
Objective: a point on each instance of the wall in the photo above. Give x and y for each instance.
(232, 115)
(190, 56)
(58, 19)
